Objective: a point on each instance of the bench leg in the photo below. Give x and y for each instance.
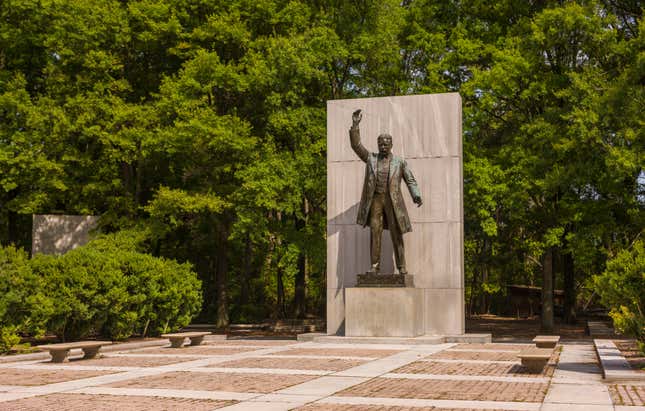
(545, 345)
(534, 366)
(59, 355)
(177, 342)
(196, 340)
(91, 352)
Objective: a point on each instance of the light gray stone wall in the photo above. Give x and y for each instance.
(426, 131)
(57, 234)
(384, 312)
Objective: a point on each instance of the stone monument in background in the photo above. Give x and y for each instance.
(57, 234)
(426, 133)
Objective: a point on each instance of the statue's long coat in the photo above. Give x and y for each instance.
(398, 170)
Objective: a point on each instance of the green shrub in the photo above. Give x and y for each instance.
(20, 298)
(8, 338)
(82, 285)
(622, 289)
(107, 287)
(162, 295)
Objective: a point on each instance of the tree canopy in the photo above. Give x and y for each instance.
(202, 124)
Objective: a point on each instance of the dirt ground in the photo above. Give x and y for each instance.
(510, 329)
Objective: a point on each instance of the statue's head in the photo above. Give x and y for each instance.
(384, 142)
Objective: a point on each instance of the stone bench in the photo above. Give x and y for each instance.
(60, 352)
(599, 328)
(534, 359)
(546, 341)
(177, 339)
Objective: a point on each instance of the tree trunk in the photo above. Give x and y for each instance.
(221, 276)
(300, 286)
(12, 228)
(569, 288)
(280, 294)
(266, 269)
(472, 301)
(301, 276)
(484, 306)
(547, 291)
(246, 273)
(138, 180)
(280, 311)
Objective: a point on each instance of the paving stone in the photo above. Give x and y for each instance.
(193, 349)
(7, 388)
(74, 367)
(376, 346)
(270, 371)
(384, 365)
(627, 394)
(449, 390)
(355, 407)
(571, 373)
(295, 399)
(480, 350)
(252, 343)
(323, 386)
(475, 355)
(459, 377)
(493, 347)
(12, 396)
(433, 367)
(258, 383)
(331, 364)
(577, 407)
(260, 406)
(109, 403)
(578, 394)
(340, 352)
(30, 377)
(168, 393)
(441, 404)
(468, 361)
(129, 361)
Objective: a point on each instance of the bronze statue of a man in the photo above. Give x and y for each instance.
(382, 204)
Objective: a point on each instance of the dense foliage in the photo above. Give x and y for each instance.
(203, 124)
(622, 287)
(20, 295)
(105, 288)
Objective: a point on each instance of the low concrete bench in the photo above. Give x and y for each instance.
(599, 328)
(60, 352)
(534, 359)
(546, 341)
(177, 339)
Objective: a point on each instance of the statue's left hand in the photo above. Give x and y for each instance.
(356, 117)
(418, 201)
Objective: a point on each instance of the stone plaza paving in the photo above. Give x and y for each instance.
(268, 375)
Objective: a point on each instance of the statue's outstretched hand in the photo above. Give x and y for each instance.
(418, 201)
(356, 117)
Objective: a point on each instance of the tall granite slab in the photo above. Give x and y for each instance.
(426, 131)
(58, 234)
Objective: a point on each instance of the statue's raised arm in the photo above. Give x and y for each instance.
(355, 137)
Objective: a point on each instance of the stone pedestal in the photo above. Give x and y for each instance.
(384, 280)
(384, 312)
